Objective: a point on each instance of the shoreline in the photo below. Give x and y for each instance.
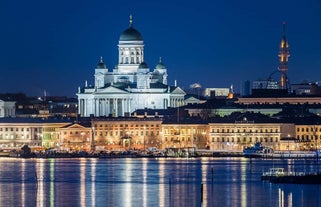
(133, 154)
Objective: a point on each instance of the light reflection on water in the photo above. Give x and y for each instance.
(151, 182)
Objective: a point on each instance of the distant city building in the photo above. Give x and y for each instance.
(265, 84)
(301, 89)
(246, 88)
(278, 100)
(216, 92)
(7, 108)
(131, 85)
(306, 89)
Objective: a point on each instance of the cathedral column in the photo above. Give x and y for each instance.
(119, 56)
(107, 107)
(116, 107)
(97, 107)
(123, 107)
(129, 104)
(93, 110)
(85, 107)
(80, 106)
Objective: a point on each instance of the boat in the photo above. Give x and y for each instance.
(273, 172)
(258, 150)
(279, 175)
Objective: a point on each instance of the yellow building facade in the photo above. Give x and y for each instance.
(185, 136)
(236, 136)
(308, 136)
(126, 133)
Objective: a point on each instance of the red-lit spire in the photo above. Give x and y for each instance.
(284, 54)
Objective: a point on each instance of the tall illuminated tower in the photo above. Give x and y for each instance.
(284, 54)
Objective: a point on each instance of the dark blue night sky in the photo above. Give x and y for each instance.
(54, 45)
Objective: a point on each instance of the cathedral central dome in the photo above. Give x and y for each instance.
(131, 34)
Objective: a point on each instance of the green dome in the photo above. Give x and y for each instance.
(101, 64)
(131, 34)
(143, 65)
(160, 64)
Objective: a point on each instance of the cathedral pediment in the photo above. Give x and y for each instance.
(111, 90)
(178, 90)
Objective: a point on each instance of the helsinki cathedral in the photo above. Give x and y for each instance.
(131, 85)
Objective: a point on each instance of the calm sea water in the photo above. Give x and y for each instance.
(151, 182)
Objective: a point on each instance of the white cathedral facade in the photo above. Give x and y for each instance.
(131, 85)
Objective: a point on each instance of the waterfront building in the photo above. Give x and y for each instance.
(7, 108)
(185, 135)
(51, 135)
(131, 85)
(125, 133)
(17, 132)
(235, 136)
(75, 137)
(308, 135)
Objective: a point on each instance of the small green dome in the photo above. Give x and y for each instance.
(143, 65)
(160, 64)
(101, 64)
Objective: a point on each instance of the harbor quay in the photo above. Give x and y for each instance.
(149, 134)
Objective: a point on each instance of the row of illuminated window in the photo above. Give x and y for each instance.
(183, 131)
(129, 133)
(6, 129)
(182, 139)
(97, 126)
(75, 132)
(308, 137)
(13, 136)
(308, 129)
(220, 130)
(245, 139)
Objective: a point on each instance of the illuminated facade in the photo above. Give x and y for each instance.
(127, 133)
(142, 133)
(236, 136)
(185, 136)
(51, 134)
(16, 135)
(131, 85)
(75, 137)
(17, 132)
(308, 136)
